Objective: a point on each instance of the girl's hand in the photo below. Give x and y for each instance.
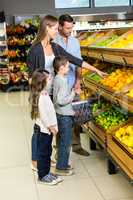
(53, 130)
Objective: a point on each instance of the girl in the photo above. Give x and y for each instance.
(42, 110)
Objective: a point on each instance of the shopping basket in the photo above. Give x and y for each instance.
(82, 111)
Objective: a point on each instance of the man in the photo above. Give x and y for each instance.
(71, 45)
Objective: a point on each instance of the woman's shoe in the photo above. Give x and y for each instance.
(64, 172)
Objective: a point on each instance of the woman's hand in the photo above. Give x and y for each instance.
(102, 74)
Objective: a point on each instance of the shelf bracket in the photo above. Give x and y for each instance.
(102, 57)
(125, 62)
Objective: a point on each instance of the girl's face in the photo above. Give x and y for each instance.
(53, 30)
(66, 68)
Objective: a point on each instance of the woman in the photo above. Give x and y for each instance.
(41, 55)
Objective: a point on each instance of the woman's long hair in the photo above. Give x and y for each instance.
(48, 20)
(38, 83)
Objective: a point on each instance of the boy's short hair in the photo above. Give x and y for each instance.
(58, 62)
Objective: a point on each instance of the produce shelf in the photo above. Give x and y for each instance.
(118, 56)
(123, 100)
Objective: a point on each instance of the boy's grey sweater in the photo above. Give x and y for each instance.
(62, 96)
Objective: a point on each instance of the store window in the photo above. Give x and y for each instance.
(71, 3)
(106, 3)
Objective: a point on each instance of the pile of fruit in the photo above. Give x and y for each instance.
(15, 29)
(122, 42)
(99, 106)
(125, 135)
(93, 76)
(106, 41)
(118, 79)
(91, 39)
(130, 93)
(110, 118)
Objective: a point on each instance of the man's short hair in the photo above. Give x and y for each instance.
(65, 18)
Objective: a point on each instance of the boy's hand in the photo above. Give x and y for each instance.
(77, 91)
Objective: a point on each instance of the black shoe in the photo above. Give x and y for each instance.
(81, 152)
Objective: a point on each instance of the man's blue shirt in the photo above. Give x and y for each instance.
(72, 47)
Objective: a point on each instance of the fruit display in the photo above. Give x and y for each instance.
(106, 41)
(118, 79)
(99, 105)
(125, 135)
(110, 118)
(19, 40)
(122, 42)
(91, 39)
(11, 29)
(94, 77)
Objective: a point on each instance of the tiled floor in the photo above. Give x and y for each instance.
(17, 182)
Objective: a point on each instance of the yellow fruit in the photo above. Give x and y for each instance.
(125, 135)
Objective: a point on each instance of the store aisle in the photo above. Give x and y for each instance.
(17, 181)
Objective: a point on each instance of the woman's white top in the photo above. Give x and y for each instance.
(47, 115)
(49, 67)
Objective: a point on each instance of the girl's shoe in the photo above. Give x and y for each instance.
(57, 178)
(48, 180)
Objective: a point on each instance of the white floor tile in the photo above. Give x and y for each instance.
(73, 189)
(114, 187)
(17, 183)
(95, 166)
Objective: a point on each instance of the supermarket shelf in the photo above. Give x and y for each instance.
(118, 56)
(121, 100)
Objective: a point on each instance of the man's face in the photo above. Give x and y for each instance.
(66, 29)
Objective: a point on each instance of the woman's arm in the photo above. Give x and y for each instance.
(59, 51)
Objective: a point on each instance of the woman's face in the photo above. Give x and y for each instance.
(53, 30)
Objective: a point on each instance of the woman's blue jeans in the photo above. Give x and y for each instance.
(65, 124)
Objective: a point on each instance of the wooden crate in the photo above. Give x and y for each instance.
(98, 133)
(121, 155)
(120, 152)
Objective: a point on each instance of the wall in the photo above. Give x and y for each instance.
(24, 7)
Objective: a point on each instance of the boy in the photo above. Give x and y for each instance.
(62, 98)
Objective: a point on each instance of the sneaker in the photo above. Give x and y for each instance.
(69, 167)
(64, 172)
(57, 178)
(48, 180)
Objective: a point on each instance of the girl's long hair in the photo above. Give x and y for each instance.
(38, 83)
(48, 20)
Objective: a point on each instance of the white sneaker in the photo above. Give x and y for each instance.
(48, 180)
(57, 178)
